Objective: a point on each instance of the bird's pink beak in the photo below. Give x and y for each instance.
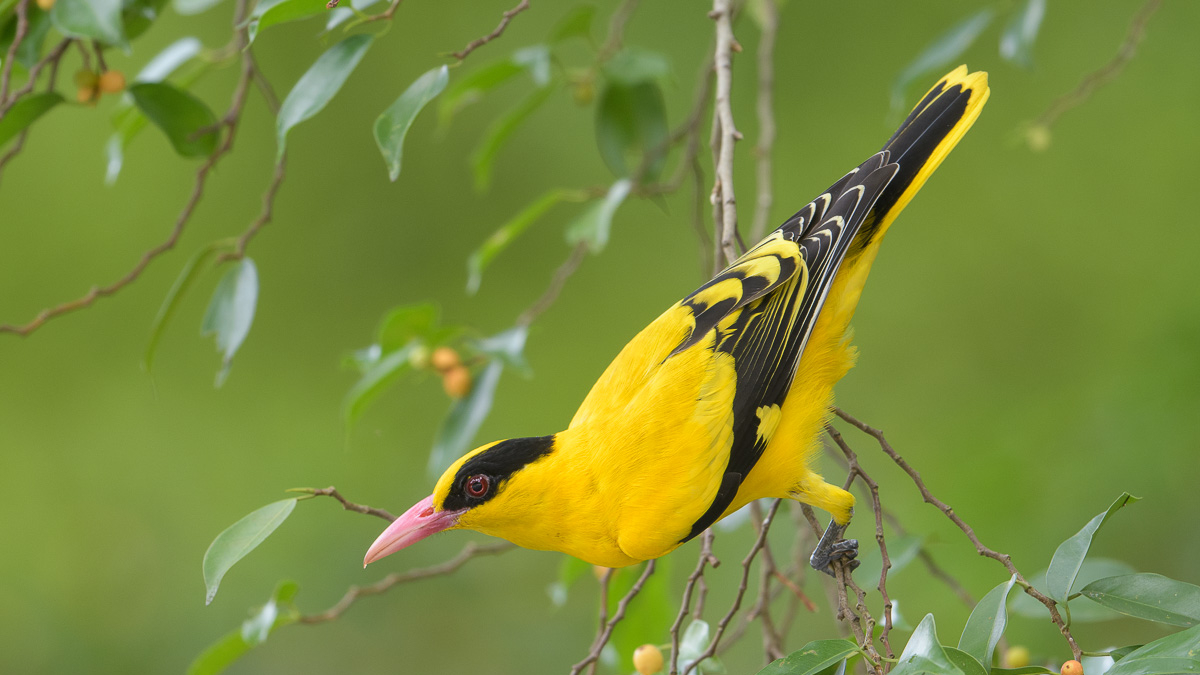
(417, 523)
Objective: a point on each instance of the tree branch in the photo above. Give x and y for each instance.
(706, 558)
(481, 41)
(561, 275)
(725, 134)
(331, 491)
(606, 633)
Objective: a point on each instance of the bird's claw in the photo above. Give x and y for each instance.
(832, 547)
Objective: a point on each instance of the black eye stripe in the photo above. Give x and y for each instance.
(496, 465)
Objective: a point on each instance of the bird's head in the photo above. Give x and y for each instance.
(472, 494)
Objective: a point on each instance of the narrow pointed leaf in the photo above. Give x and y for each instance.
(269, 14)
(968, 664)
(1016, 42)
(393, 124)
(1176, 653)
(500, 131)
(278, 611)
(631, 119)
(185, 119)
(92, 19)
(941, 52)
(506, 233)
(193, 7)
(231, 311)
(812, 658)
(469, 88)
(986, 624)
(1025, 670)
(169, 59)
(375, 381)
(594, 223)
(923, 653)
(317, 87)
(24, 112)
(1069, 555)
(402, 324)
(1148, 596)
(187, 276)
(1083, 610)
(239, 539)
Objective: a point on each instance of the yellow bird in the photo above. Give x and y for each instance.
(721, 400)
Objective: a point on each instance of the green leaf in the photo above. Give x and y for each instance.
(1016, 42)
(986, 624)
(924, 654)
(633, 66)
(632, 119)
(392, 125)
(375, 381)
(500, 131)
(24, 112)
(695, 640)
(402, 324)
(577, 23)
(138, 15)
(193, 7)
(319, 85)
(1069, 555)
(268, 14)
(507, 347)
(466, 416)
(941, 52)
(594, 223)
(1025, 670)
(239, 539)
(470, 88)
(812, 658)
(231, 312)
(187, 276)
(1083, 610)
(510, 230)
(341, 14)
(279, 611)
(901, 551)
(1176, 653)
(30, 49)
(965, 662)
(1121, 652)
(93, 19)
(188, 123)
(1148, 596)
(127, 120)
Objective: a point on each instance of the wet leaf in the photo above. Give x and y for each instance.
(231, 312)
(317, 87)
(811, 659)
(392, 125)
(239, 539)
(188, 123)
(1148, 596)
(1069, 556)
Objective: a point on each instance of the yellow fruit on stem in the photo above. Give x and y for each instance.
(86, 79)
(445, 358)
(647, 659)
(112, 82)
(86, 95)
(457, 382)
(1016, 657)
(1072, 667)
(45, 5)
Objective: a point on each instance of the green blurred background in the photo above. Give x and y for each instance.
(1030, 340)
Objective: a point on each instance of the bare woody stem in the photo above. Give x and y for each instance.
(607, 628)
(346, 504)
(481, 41)
(706, 558)
(983, 550)
(725, 134)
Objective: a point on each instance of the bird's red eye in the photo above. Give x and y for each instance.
(477, 485)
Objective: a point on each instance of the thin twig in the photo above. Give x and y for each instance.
(481, 41)
(616, 30)
(1002, 558)
(602, 639)
(741, 592)
(52, 58)
(1106, 73)
(346, 504)
(264, 216)
(468, 552)
(725, 133)
(22, 30)
(561, 275)
(706, 558)
(766, 118)
(772, 640)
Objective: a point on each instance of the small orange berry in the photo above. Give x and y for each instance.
(648, 659)
(445, 358)
(1072, 667)
(112, 82)
(86, 95)
(457, 382)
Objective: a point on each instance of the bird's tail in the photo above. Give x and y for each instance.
(923, 140)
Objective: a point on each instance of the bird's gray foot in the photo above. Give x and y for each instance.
(833, 547)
